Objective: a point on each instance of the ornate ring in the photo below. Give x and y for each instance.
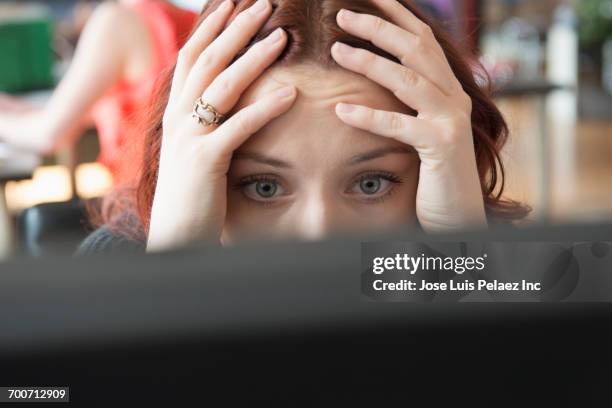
(205, 113)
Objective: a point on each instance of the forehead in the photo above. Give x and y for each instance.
(312, 120)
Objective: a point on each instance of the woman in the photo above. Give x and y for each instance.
(303, 118)
(122, 51)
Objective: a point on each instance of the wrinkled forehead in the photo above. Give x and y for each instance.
(321, 88)
(312, 117)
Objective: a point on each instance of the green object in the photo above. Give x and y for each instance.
(26, 59)
(595, 21)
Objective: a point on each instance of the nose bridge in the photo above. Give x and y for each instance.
(316, 215)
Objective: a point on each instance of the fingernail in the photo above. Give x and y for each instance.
(275, 36)
(345, 108)
(343, 48)
(225, 5)
(258, 7)
(345, 14)
(285, 92)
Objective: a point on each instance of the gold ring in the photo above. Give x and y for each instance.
(205, 113)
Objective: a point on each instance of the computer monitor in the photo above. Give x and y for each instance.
(288, 325)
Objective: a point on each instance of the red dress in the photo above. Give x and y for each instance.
(118, 115)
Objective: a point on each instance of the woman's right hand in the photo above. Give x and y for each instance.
(191, 192)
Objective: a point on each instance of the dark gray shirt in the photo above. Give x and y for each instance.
(103, 240)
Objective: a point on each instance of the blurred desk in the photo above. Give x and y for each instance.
(540, 90)
(14, 166)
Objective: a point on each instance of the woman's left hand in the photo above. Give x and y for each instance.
(449, 195)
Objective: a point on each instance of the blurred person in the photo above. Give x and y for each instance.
(123, 49)
(70, 31)
(302, 119)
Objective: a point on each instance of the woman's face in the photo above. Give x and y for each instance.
(307, 175)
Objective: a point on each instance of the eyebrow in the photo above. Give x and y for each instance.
(361, 158)
(378, 153)
(260, 158)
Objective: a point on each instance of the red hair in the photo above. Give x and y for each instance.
(312, 30)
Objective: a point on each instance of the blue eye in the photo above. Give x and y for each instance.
(261, 189)
(266, 189)
(371, 185)
(374, 186)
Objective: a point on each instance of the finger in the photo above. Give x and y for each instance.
(411, 50)
(406, 19)
(403, 17)
(406, 84)
(238, 128)
(403, 128)
(204, 35)
(223, 50)
(227, 88)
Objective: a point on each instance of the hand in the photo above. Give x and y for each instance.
(190, 197)
(22, 125)
(25, 130)
(12, 105)
(449, 195)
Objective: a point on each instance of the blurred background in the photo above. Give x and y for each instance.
(550, 62)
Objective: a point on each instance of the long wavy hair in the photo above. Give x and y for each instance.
(312, 30)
